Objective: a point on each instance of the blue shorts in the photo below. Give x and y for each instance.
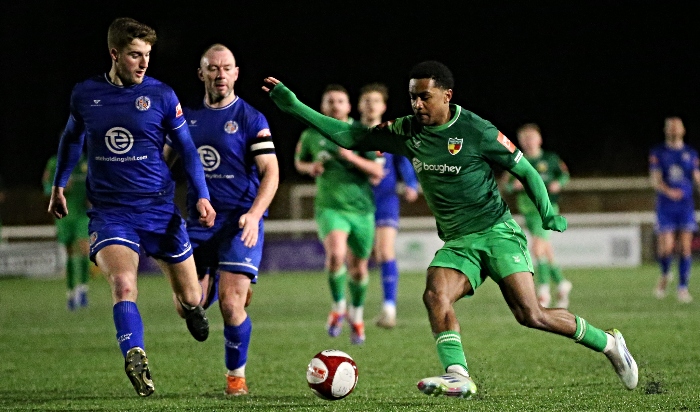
(676, 218)
(387, 213)
(221, 247)
(159, 230)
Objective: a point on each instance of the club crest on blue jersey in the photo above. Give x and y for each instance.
(143, 103)
(209, 157)
(119, 140)
(231, 127)
(454, 145)
(93, 238)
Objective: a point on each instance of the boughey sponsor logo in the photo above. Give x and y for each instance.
(420, 166)
(209, 157)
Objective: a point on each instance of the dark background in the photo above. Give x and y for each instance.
(599, 77)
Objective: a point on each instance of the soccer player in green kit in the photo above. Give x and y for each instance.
(72, 232)
(344, 212)
(452, 151)
(555, 175)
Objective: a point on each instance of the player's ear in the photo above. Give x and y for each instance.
(448, 95)
(200, 74)
(114, 54)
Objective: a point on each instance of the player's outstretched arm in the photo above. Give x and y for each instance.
(537, 191)
(343, 134)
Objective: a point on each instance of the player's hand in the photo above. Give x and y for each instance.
(517, 185)
(250, 225)
(554, 187)
(555, 222)
(57, 203)
(270, 83)
(674, 194)
(207, 214)
(410, 194)
(317, 169)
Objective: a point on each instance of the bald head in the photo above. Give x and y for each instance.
(218, 71)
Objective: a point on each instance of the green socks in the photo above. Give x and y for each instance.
(337, 281)
(450, 350)
(358, 292)
(542, 273)
(589, 336)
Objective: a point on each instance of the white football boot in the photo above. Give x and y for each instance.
(622, 360)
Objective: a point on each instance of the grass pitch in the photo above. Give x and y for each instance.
(56, 360)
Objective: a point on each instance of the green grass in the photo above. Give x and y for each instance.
(56, 360)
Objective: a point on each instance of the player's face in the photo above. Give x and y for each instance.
(372, 105)
(430, 104)
(219, 73)
(132, 61)
(530, 141)
(336, 104)
(674, 129)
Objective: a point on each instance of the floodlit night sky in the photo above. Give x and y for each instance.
(599, 77)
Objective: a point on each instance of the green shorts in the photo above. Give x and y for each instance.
(71, 228)
(533, 221)
(359, 227)
(496, 252)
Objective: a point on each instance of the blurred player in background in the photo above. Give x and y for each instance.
(372, 105)
(123, 117)
(555, 175)
(236, 150)
(344, 211)
(673, 169)
(72, 231)
(453, 151)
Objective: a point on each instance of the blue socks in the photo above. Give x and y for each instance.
(236, 341)
(127, 320)
(684, 271)
(390, 281)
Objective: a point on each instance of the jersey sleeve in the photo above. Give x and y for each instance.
(654, 163)
(174, 116)
(71, 144)
(303, 152)
(406, 170)
(260, 139)
(496, 147)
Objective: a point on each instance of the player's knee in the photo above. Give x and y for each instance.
(531, 317)
(433, 299)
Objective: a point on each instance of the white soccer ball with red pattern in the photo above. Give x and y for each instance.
(332, 374)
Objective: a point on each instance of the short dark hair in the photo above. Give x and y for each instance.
(375, 87)
(124, 30)
(334, 87)
(435, 70)
(529, 126)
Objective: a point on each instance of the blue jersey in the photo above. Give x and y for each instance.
(124, 129)
(395, 166)
(228, 139)
(677, 167)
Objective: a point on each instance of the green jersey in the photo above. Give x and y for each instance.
(551, 168)
(453, 164)
(341, 186)
(452, 161)
(75, 191)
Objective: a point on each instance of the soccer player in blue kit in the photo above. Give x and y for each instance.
(372, 105)
(123, 117)
(673, 169)
(236, 149)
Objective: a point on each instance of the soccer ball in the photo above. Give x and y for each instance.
(332, 374)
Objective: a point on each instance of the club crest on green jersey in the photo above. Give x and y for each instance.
(454, 145)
